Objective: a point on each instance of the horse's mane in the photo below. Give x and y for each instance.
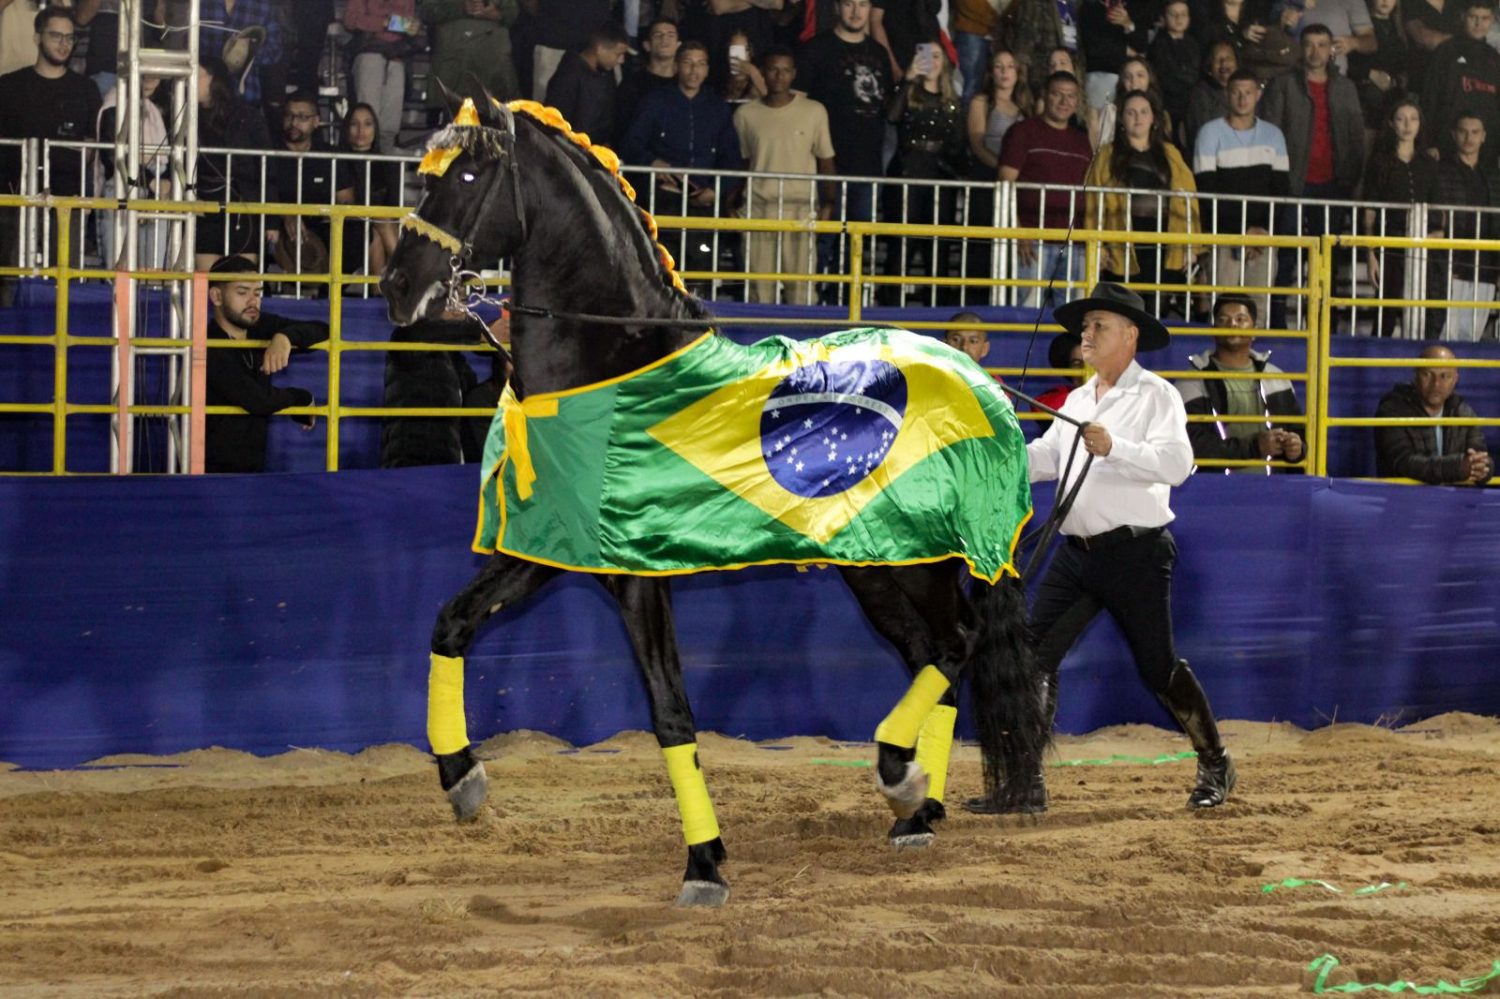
(485, 144)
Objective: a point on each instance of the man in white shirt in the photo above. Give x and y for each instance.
(1117, 553)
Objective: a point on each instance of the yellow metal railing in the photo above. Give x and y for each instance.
(1318, 294)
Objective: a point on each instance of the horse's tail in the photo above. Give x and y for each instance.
(1009, 701)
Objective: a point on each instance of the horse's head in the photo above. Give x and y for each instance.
(469, 215)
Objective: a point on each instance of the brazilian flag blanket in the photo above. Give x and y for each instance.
(868, 446)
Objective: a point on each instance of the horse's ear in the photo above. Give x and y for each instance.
(450, 99)
(489, 114)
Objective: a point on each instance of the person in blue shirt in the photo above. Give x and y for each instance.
(691, 127)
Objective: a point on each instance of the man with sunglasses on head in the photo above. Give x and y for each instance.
(47, 100)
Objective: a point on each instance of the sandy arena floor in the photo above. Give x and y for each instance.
(314, 873)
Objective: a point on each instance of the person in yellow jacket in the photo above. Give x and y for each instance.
(1142, 161)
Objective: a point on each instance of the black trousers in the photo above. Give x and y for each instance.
(1131, 579)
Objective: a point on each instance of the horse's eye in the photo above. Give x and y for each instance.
(467, 177)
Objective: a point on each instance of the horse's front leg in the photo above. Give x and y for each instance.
(504, 580)
(646, 604)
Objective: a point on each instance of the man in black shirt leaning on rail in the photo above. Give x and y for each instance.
(242, 377)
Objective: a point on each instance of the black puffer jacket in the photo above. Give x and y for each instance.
(1412, 452)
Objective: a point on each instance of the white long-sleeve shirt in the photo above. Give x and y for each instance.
(1149, 454)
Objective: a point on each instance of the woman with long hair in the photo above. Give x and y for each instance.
(1397, 172)
(1001, 102)
(226, 122)
(1141, 160)
(744, 82)
(930, 144)
(1136, 73)
(374, 183)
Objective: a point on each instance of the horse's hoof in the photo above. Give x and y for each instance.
(468, 794)
(913, 841)
(710, 894)
(907, 795)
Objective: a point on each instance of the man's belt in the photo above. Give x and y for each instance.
(1109, 539)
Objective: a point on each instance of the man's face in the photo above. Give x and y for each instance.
(56, 40)
(1468, 136)
(1108, 339)
(663, 41)
(1234, 316)
(1177, 17)
(975, 343)
(1223, 64)
(854, 15)
(1317, 49)
(298, 121)
(1478, 21)
(692, 70)
(1435, 385)
(1244, 95)
(238, 302)
(610, 56)
(780, 72)
(1061, 101)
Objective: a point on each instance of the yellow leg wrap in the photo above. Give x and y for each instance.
(446, 728)
(934, 745)
(905, 720)
(697, 811)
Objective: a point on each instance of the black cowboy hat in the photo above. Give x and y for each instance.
(1120, 300)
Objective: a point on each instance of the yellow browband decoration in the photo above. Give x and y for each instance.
(424, 228)
(437, 161)
(468, 114)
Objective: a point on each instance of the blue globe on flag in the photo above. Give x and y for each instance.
(830, 424)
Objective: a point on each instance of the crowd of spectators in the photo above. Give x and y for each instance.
(1329, 100)
(1247, 100)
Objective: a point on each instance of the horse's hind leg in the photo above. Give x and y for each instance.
(503, 581)
(919, 610)
(646, 604)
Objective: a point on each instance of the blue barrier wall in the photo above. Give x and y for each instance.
(26, 376)
(155, 615)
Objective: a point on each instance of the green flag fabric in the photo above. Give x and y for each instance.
(868, 446)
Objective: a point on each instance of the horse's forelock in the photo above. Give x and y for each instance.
(483, 144)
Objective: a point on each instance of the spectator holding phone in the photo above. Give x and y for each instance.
(1110, 31)
(744, 82)
(386, 33)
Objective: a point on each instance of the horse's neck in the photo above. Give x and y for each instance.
(585, 253)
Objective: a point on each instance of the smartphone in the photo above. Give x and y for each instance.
(926, 58)
(739, 52)
(397, 24)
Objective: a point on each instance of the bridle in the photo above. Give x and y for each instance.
(465, 285)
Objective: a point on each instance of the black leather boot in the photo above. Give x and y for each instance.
(1032, 799)
(1189, 705)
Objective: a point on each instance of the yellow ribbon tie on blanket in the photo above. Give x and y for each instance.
(515, 413)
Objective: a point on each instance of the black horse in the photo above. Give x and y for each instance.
(595, 297)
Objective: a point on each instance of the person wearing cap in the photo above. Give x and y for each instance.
(1118, 552)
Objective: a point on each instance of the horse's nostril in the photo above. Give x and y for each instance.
(395, 282)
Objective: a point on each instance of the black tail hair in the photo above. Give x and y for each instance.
(1008, 698)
